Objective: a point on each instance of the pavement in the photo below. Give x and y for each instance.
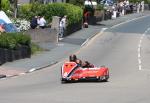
(57, 52)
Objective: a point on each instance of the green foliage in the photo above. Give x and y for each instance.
(100, 7)
(74, 13)
(55, 9)
(147, 1)
(22, 38)
(35, 48)
(133, 1)
(25, 11)
(77, 2)
(7, 41)
(5, 5)
(12, 40)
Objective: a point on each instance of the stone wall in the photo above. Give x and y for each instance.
(43, 35)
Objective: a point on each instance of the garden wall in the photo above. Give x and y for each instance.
(9, 55)
(43, 35)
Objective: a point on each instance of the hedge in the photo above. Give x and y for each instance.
(74, 13)
(5, 5)
(76, 2)
(13, 40)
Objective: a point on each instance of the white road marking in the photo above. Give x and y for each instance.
(139, 49)
(139, 60)
(139, 55)
(31, 70)
(90, 40)
(140, 67)
(128, 21)
(141, 38)
(85, 42)
(22, 73)
(100, 33)
(139, 45)
(141, 41)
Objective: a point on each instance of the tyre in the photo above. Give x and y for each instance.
(62, 82)
(2, 76)
(106, 78)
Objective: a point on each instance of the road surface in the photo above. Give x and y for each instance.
(124, 48)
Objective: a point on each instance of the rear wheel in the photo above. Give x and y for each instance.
(106, 78)
(62, 82)
(103, 79)
(67, 81)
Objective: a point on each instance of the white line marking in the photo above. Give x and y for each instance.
(139, 60)
(88, 41)
(140, 67)
(128, 21)
(31, 70)
(85, 42)
(142, 37)
(139, 55)
(140, 42)
(139, 49)
(22, 73)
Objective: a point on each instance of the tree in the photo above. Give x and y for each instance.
(5, 5)
(0, 4)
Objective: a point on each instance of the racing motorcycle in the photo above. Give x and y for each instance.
(70, 72)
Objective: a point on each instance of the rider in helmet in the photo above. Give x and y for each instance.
(72, 58)
(86, 64)
(79, 62)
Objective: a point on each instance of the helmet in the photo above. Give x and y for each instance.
(73, 58)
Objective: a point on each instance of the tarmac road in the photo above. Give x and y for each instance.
(123, 48)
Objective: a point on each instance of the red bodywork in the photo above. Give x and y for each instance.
(70, 71)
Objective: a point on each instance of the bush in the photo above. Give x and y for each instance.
(30, 10)
(6, 41)
(100, 7)
(77, 2)
(5, 5)
(13, 40)
(22, 38)
(21, 24)
(74, 13)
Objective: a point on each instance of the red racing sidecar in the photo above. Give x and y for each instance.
(70, 71)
